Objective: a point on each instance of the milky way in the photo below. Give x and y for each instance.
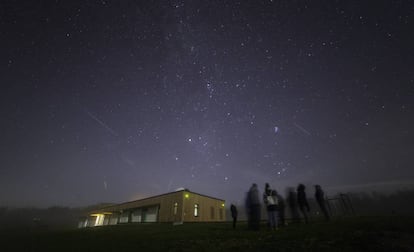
(107, 101)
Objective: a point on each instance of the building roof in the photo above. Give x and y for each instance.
(160, 195)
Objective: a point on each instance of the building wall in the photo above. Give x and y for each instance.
(171, 207)
(209, 209)
(113, 219)
(166, 204)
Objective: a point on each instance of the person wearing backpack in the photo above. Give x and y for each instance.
(266, 193)
(271, 205)
(272, 210)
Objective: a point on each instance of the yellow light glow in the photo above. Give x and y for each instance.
(98, 214)
(187, 195)
(222, 204)
(99, 219)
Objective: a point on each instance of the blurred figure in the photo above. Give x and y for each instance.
(272, 210)
(320, 198)
(233, 210)
(280, 209)
(303, 202)
(293, 204)
(267, 189)
(253, 208)
(267, 200)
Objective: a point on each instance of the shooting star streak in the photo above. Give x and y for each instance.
(302, 129)
(101, 123)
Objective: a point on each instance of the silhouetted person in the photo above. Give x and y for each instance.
(267, 190)
(253, 208)
(281, 209)
(293, 204)
(268, 200)
(303, 202)
(320, 198)
(272, 210)
(233, 210)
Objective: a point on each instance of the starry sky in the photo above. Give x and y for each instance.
(109, 101)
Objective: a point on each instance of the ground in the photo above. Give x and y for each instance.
(345, 234)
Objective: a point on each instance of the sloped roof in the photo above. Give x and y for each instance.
(156, 196)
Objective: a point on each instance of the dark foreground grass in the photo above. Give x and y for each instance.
(350, 234)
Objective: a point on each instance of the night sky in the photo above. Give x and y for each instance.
(109, 101)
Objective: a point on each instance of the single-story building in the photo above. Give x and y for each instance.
(175, 207)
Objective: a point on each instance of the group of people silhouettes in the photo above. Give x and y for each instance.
(275, 206)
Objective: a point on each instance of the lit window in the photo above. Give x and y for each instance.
(175, 208)
(195, 210)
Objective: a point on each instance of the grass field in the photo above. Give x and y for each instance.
(348, 234)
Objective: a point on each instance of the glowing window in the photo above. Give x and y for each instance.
(175, 208)
(195, 210)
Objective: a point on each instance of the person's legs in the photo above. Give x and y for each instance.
(276, 216)
(305, 216)
(249, 218)
(324, 211)
(269, 216)
(256, 217)
(282, 217)
(272, 221)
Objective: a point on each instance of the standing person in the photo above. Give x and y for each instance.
(272, 209)
(233, 210)
(292, 200)
(320, 198)
(253, 205)
(267, 189)
(268, 200)
(280, 209)
(303, 202)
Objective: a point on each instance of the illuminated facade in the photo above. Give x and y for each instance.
(175, 207)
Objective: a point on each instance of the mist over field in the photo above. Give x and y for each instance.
(61, 217)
